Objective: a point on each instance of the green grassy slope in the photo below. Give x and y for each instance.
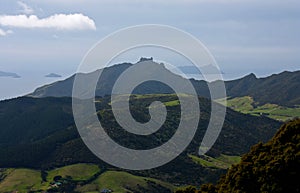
(21, 180)
(222, 162)
(247, 105)
(77, 172)
(121, 182)
(25, 180)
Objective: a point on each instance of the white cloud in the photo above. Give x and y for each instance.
(4, 33)
(25, 8)
(55, 36)
(76, 21)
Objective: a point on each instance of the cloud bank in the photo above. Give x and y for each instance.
(76, 21)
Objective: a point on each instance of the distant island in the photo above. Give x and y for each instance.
(9, 74)
(53, 75)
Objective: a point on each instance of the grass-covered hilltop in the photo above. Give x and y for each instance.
(270, 167)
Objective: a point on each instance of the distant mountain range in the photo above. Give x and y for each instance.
(281, 89)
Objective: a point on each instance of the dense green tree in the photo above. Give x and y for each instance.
(271, 167)
(189, 189)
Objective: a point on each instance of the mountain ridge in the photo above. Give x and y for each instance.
(262, 90)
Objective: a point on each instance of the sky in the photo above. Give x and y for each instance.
(39, 37)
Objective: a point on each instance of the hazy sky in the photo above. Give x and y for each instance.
(38, 37)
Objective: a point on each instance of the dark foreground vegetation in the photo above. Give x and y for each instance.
(270, 167)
